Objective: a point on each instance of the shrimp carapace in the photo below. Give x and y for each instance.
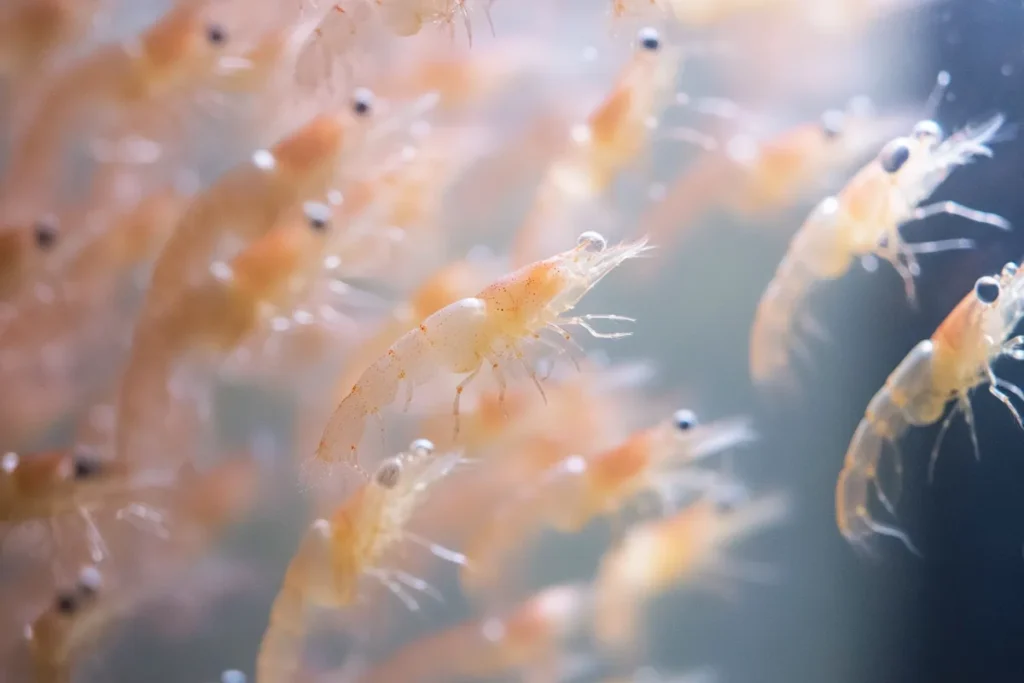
(957, 359)
(339, 552)
(491, 328)
(864, 221)
(659, 460)
(687, 546)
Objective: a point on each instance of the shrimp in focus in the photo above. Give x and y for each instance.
(615, 133)
(527, 639)
(864, 220)
(581, 488)
(687, 546)
(491, 328)
(337, 553)
(957, 359)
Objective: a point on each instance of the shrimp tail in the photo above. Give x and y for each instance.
(774, 324)
(279, 659)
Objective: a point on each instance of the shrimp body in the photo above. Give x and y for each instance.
(581, 489)
(407, 17)
(338, 553)
(864, 220)
(489, 328)
(956, 359)
(615, 133)
(528, 637)
(685, 546)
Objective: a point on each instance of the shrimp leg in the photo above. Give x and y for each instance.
(957, 209)
(458, 397)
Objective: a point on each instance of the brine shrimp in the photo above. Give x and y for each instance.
(956, 360)
(407, 17)
(864, 221)
(614, 134)
(338, 553)
(235, 213)
(579, 489)
(31, 31)
(528, 640)
(754, 175)
(688, 546)
(63, 629)
(490, 328)
(178, 51)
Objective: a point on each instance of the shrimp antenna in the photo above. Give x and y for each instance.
(931, 107)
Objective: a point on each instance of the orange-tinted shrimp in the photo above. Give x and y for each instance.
(192, 277)
(684, 547)
(337, 554)
(957, 359)
(615, 133)
(490, 328)
(864, 220)
(32, 30)
(178, 51)
(407, 17)
(581, 488)
(527, 640)
(700, 14)
(757, 176)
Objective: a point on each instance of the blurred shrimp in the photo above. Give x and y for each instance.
(200, 296)
(615, 133)
(490, 328)
(528, 640)
(581, 488)
(685, 547)
(864, 220)
(31, 31)
(756, 176)
(407, 17)
(177, 52)
(957, 359)
(338, 553)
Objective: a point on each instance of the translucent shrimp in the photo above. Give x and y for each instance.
(755, 175)
(236, 212)
(529, 640)
(490, 328)
(178, 51)
(581, 488)
(63, 629)
(957, 359)
(615, 133)
(407, 17)
(684, 547)
(864, 220)
(32, 30)
(338, 553)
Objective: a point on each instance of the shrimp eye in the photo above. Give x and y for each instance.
(45, 232)
(89, 581)
(592, 241)
(318, 215)
(1010, 269)
(685, 420)
(894, 156)
(216, 34)
(927, 130)
(388, 473)
(422, 447)
(85, 466)
(648, 39)
(832, 124)
(67, 603)
(987, 290)
(362, 102)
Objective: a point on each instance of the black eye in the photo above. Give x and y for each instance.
(86, 465)
(362, 102)
(832, 124)
(987, 290)
(684, 420)
(648, 39)
(318, 215)
(45, 232)
(66, 603)
(216, 34)
(894, 156)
